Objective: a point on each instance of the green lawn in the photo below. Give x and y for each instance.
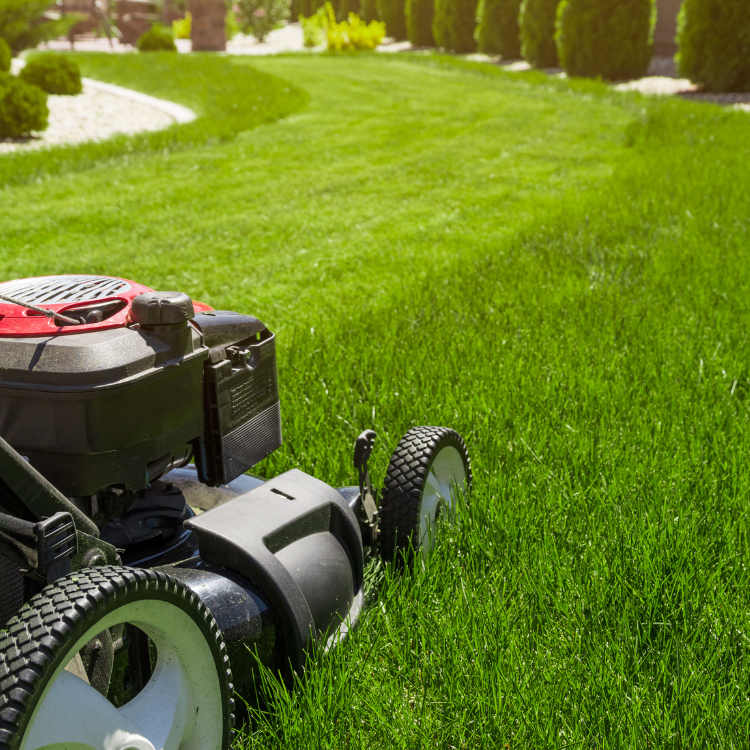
(558, 272)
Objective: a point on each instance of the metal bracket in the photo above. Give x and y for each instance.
(362, 452)
(56, 543)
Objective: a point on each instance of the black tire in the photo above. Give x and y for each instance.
(41, 639)
(404, 486)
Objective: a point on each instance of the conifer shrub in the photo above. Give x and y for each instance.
(23, 107)
(498, 32)
(537, 24)
(54, 74)
(368, 10)
(157, 39)
(419, 15)
(613, 40)
(393, 14)
(713, 37)
(5, 56)
(454, 24)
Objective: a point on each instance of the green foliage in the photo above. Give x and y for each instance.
(369, 10)
(498, 32)
(157, 39)
(55, 74)
(602, 38)
(537, 22)
(23, 24)
(259, 17)
(393, 14)
(454, 25)
(345, 7)
(714, 44)
(182, 26)
(5, 56)
(419, 16)
(231, 24)
(350, 35)
(23, 107)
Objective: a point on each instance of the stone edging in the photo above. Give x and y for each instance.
(179, 113)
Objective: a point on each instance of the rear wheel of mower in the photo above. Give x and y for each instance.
(46, 701)
(428, 471)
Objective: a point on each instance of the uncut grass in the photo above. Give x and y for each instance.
(588, 337)
(597, 592)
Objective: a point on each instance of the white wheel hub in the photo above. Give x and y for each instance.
(180, 708)
(445, 481)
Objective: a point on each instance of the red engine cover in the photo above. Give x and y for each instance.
(67, 294)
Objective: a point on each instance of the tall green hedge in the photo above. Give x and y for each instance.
(607, 38)
(537, 22)
(393, 14)
(5, 56)
(419, 15)
(498, 28)
(714, 44)
(454, 24)
(368, 11)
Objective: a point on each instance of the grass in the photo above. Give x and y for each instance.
(558, 272)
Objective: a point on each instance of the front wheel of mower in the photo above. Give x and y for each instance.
(48, 700)
(428, 471)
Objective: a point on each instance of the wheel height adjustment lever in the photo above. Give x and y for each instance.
(362, 452)
(56, 543)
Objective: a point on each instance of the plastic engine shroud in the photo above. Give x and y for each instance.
(67, 294)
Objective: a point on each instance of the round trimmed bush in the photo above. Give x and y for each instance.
(454, 24)
(23, 107)
(537, 22)
(419, 15)
(602, 38)
(157, 39)
(498, 28)
(393, 14)
(55, 74)
(5, 56)
(713, 37)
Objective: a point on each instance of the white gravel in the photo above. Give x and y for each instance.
(91, 116)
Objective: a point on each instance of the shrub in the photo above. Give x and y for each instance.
(23, 107)
(393, 15)
(231, 24)
(498, 32)
(537, 24)
(313, 28)
(55, 74)
(419, 15)
(368, 10)
(157, 39)
(23, 23)
(714, 44)
(5, 56)
(454, 24)
(182, 26)
(345, 7)
(258, 17)
(602, 38)
(352, 34)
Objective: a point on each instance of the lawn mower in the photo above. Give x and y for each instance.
(138, 559)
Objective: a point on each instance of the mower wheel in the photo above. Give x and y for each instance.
(46, 700)
(428, 470)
